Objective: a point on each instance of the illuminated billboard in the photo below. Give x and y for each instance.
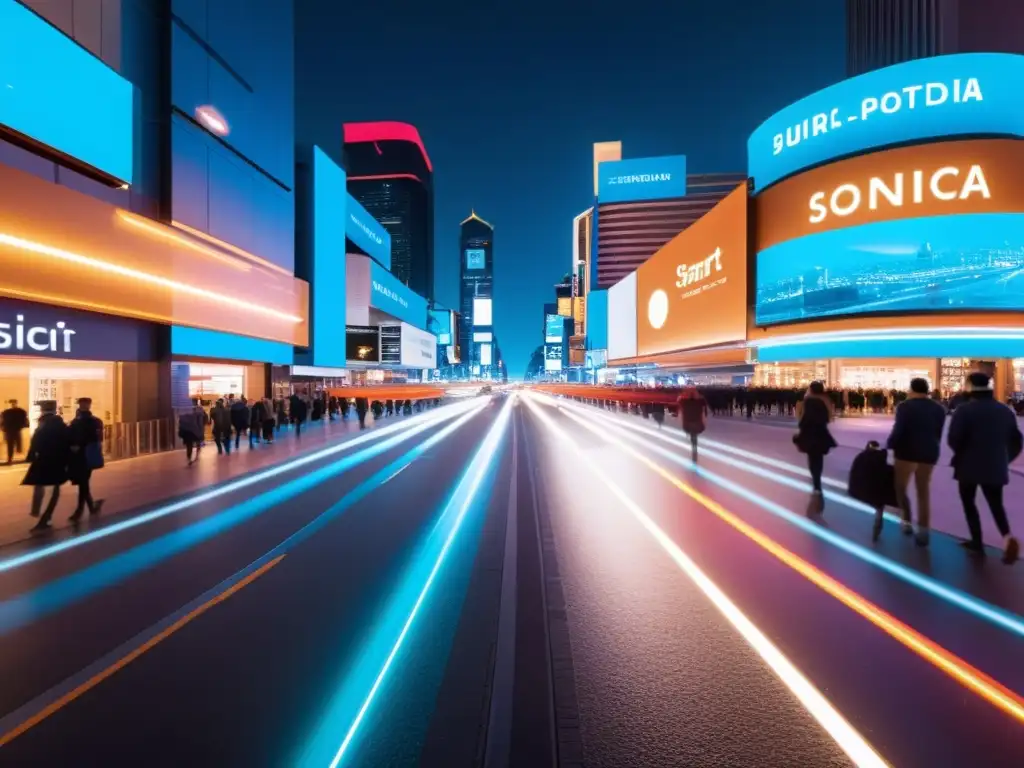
(362, 344)
(485, 354)
(622, 318)
(476, 258)
(366, 232)
(931, 264)
(390, 295)
(554, 329)
(440, 324)
(693, 292)
(483, 336)
(645, 178)
(482, 314)
(951, 177)
(419, 348)
(552, 357)
(56, 93)
(959, 95)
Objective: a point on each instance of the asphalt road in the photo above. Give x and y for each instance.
(522, 582)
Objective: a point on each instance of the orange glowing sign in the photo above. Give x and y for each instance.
(62, 247)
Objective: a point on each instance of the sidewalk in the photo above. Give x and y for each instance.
(133, 483)
(852, 435)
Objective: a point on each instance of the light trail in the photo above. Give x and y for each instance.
(976, 606)
(418, 423)
(820, 708)
(354, 693)
(964, 673)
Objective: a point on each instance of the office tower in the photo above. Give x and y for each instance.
(476, 286)
(390, 174)
(884, 32)
(630, 233)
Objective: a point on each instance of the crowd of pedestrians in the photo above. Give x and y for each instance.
(983, 437)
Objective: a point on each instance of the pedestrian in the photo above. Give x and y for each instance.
(693, 412)
(873, 482)
(220, 418)
(47, 458)
(362, 406)
(332, 407)
(191, 429)
(297, 409)
(814, 439)
(985, 439)
(256, 415)
(13, 421)
(915, 442)
(269, 421)
(86, 444)
(240, 419)
(658, 412)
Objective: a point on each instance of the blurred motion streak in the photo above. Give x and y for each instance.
(991, 613)
(841, 731)
(66, 248)
(970, 677)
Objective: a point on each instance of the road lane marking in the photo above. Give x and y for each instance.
(820, 708)
(984, 610)
(10, 563)
(128, 658)
(396, 473)
(960, 670)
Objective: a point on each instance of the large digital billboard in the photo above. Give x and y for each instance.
(931, 264)
(645, 178)
(388, 294)
(553, 357)
(482, 314)
(967, 94)
(328, 287)
(622, 318)
(362, 344)
(56, 93)
(693, 292)
(366, 232)
(476, 258)
(419, 348)
(440, 324)
(950, 177)
(554, 329)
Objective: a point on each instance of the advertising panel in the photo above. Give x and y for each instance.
(645, 178)
(328, 285)
(693, 292)
(366, 232)
(58, 94)
(483, 336)
(362, 343)
(552, 357)
(622, 321)
(391, 345)
(419, 348)
(597, 320)
(476, 258)
(980, 176)
(485, 354)
(554, 328)
(440, 324)
(482, 314)
(43, 330)
(389, 295)
(938, 263)
(959, 95)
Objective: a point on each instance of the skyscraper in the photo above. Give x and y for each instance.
(390, 174)
(884, 32)
(476, 287)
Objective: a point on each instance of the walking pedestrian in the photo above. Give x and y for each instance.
(220, 418)
(257, 413)
(191, 429)
(985, 438)
(86, 444)
(915, 442)
(362, 406)
(814, 439)
(297, 409)
(658, 412)
(13, 421)
(47, 462)
(269, 421)
(240, 419)
(693, 412)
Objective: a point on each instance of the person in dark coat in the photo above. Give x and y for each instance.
(362, 406)
(191, 429)
(239, 418)
(13, 421)
(693, 411)
(47, 459)
(298, 409)
(658, 412)
(257, 415)
(220, 418)
(915, 442)
(814, 439)
(985, 438)
(86, 439)
(872, 481)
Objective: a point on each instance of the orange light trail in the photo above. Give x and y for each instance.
(963, 672)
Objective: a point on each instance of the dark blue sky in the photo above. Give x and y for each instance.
(510, 99)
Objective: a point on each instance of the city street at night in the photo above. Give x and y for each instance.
(510, 581)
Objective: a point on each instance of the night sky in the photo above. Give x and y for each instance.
(510, 99)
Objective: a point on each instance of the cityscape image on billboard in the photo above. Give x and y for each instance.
(937, 263)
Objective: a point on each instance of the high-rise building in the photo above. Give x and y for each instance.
(476, 290)
(630, 233)
(390, 174)
(884, 32)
